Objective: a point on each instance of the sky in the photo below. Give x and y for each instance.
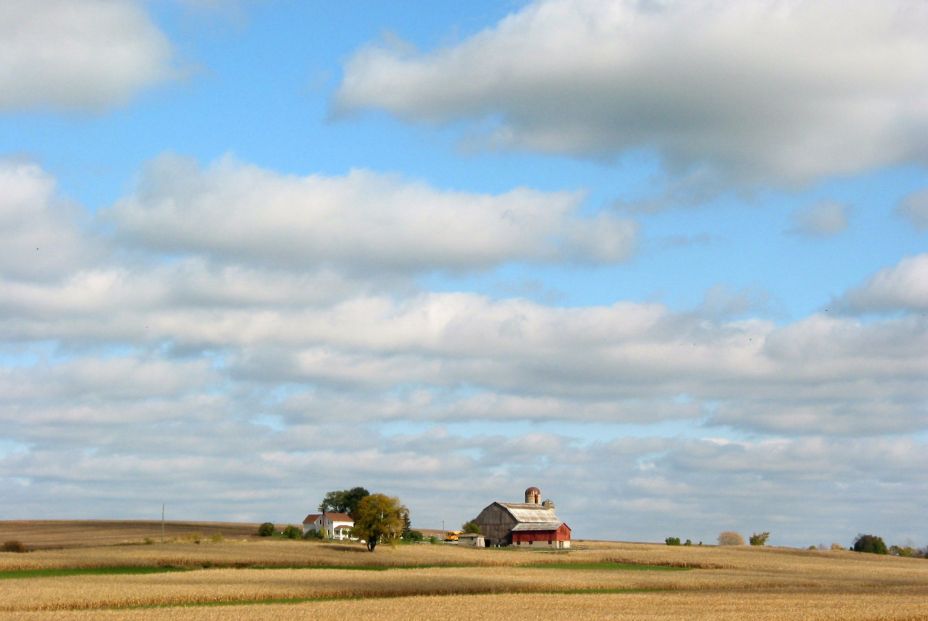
(665, 260)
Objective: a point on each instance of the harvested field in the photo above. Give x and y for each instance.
(260, 578)
(44, 534)
(630, 607)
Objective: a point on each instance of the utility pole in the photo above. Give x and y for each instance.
(162, 522)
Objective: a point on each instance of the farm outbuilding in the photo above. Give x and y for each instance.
(532, 522)
(472, 540)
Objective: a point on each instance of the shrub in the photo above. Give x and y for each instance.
(672, 541)
(837, 546)
(292, 532)
(906, 551)
(759, 539)
(266, 529)
(689, 542)
(14, 546)
(413, 536)
(433, 539)
(869, 543)
(730, 538)
(148, 541)
(312, 534)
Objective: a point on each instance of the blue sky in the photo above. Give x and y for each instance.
(667, 255)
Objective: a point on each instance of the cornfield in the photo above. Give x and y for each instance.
(247, 578)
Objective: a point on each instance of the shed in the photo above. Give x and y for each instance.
(473, 540)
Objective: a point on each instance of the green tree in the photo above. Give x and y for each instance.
(869, 543)
(266, 529)
(672, 541)
(292, 532)
(378, 518)
(407, 524)
(906, 551)
(470, 527)
(759, 539)
(343, 501)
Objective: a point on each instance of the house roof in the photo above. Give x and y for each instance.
(335, 517)
(537, 526)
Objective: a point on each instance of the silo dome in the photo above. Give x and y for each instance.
(533, 496)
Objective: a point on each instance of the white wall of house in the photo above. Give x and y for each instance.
(331, 528)
(337, 529)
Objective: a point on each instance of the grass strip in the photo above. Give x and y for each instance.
(332, 567)
(56, 572)
(607, 566)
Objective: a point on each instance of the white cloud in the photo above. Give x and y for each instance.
(644, 488)
(822, 219)
(41, 232)
(759, 91)
(903, 286)
(260, 286)
(78, 54)
(241, 369)
(914, 207)
(362, 222)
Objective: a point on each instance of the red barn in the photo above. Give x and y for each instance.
(554, 534)
(532, 523)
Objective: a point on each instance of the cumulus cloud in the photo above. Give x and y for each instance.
(241, 368)
(363, 221)
(626, 363)
(750, 92)
(823, 219)
(643, 487)
(902, 287)
(914, 207)
(42, 233)
(84, 55)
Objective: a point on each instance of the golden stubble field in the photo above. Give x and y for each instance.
(272, 579)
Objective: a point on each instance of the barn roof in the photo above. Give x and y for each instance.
(527, 512)
(536, 526)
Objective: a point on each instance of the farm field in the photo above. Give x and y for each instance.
(39, 534)
(273, 579)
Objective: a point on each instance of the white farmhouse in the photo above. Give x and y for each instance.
(331, 525)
